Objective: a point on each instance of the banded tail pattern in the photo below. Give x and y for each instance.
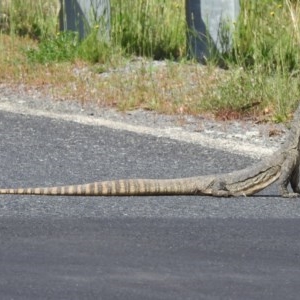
(122, 187)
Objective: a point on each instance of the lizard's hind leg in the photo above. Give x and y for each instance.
(219, 189)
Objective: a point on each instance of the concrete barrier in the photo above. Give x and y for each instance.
(210, 24)
(82, 15)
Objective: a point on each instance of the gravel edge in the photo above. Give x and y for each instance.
(240, 137)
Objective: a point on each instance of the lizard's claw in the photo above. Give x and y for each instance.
(291, 195)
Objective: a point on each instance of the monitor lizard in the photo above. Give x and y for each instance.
(282, 166)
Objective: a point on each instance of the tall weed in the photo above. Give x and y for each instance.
(37, 19)
(154, 28)
(265, 36)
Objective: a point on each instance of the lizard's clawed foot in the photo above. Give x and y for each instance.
(220, 193)
(291, 195)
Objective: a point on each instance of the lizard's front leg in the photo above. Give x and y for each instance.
(295, 178)
(289, 174)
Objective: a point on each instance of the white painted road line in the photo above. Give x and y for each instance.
(175, 133)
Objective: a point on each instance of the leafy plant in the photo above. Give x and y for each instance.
(94, 49)
(62, 47)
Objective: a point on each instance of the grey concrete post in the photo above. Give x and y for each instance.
(82, 15)
(210, 23)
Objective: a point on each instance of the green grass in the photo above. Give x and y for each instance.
(149, 27)
(135, 30)
(262, 79)
(36, 19)
(62, 47)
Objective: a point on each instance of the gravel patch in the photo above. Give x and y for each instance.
(242, 137)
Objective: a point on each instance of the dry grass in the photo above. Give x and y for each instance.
(125, 84)
(165, 86)
(262, 80)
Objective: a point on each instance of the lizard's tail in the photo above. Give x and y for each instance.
(123, 187)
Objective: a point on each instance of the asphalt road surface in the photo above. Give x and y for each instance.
(135, 247)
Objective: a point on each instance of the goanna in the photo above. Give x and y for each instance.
(282, 166)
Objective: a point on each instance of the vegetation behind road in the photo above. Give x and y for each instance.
(261, 79)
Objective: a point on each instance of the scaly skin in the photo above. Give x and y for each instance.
(282, 166)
